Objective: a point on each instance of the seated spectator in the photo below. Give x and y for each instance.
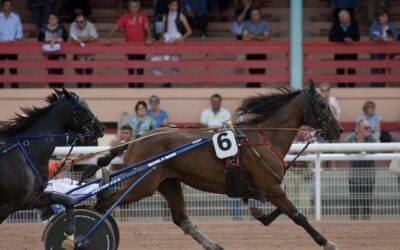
(54, 33)
(72, 8)
(141, 123)
(160, 116)
(345, 31)
(381, 31)
(368, 10)
(196, 12)
(125, 134)
(175, 28)
(374, 119)
(11, 31)
(256, 30)
(215, 116)
(242, 14)
(136, 25)
(82, 31)
(40, 10)
(338, 5)
(333, 103)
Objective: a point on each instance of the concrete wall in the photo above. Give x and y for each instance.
(185, 105)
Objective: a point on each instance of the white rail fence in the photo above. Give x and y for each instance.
(320, 192)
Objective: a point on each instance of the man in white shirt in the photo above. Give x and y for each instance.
(82, 31)
(216, 115)
(10, 31)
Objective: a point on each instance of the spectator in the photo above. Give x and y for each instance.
(242, 14)
(333, 103)
(368, 10)
(160, 9)
(141, 123)
(256, 30)
(175, 28)
(339, 5)
(362, 175)
(300, 182)
(11, 31)
(374, 120)
(54, 33)
(381, 31)
(215, 116)
(136, 25)
(125, 134)
(72, 8)
(40, 10)
(196, 12)
(345, 31)
(160, 116)
(82, 31)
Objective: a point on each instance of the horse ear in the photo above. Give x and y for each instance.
(66, 93)
(58, 92)
(311, 87)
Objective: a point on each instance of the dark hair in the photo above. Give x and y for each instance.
(255, 8)
(133, 1)
(81, 15)
(143, 103)
(381, 13)
(5, 1)
(52, 13)
(216, 96)
(126, 127)
(169, 2)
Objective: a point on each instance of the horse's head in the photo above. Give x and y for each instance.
(318, 114)
(82, 118)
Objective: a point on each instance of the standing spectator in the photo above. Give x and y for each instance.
(196, 12)
(40, 10)
(368, 10)
(175, 28)
(300, 182)
(381, 31)
(82, 31)
(374, 120)
(339, 5)
(362, 175)
(54, 33)
(216, 115)
(160, 9)
(141, 123)
(345, 31)
(10, 31)
(256, 30)
(136, 25)
(333, 103)
(160, 116)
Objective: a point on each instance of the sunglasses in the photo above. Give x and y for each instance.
(367, 128)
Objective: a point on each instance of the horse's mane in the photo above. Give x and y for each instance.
(27, 118)
(266, 106)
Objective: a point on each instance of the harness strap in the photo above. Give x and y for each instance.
(266, 143)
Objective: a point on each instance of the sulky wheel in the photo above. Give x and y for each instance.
(103, 238)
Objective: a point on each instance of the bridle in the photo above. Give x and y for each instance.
(23, 142)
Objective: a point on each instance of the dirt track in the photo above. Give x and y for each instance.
(236, 235)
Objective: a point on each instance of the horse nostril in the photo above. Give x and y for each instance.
(340, 130)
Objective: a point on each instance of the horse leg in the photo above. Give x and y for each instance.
(172, 191)
(258, 214)
(283, 204)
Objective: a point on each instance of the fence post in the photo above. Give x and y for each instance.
(318, 187)
(296, 44)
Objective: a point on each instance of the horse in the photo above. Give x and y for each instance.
(261, 157)
(27, 142)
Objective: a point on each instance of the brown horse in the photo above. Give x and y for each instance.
(263, 166)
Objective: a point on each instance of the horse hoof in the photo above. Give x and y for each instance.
(330, 246)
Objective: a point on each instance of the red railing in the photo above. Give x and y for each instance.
(202, 63)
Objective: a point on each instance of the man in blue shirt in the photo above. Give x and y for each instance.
(10, 31)
(256, 30)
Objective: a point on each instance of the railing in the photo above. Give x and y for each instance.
(320, 192)
(205, 63)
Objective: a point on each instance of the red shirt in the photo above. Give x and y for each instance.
(134, 27)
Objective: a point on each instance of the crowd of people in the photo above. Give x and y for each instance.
(174, 21)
